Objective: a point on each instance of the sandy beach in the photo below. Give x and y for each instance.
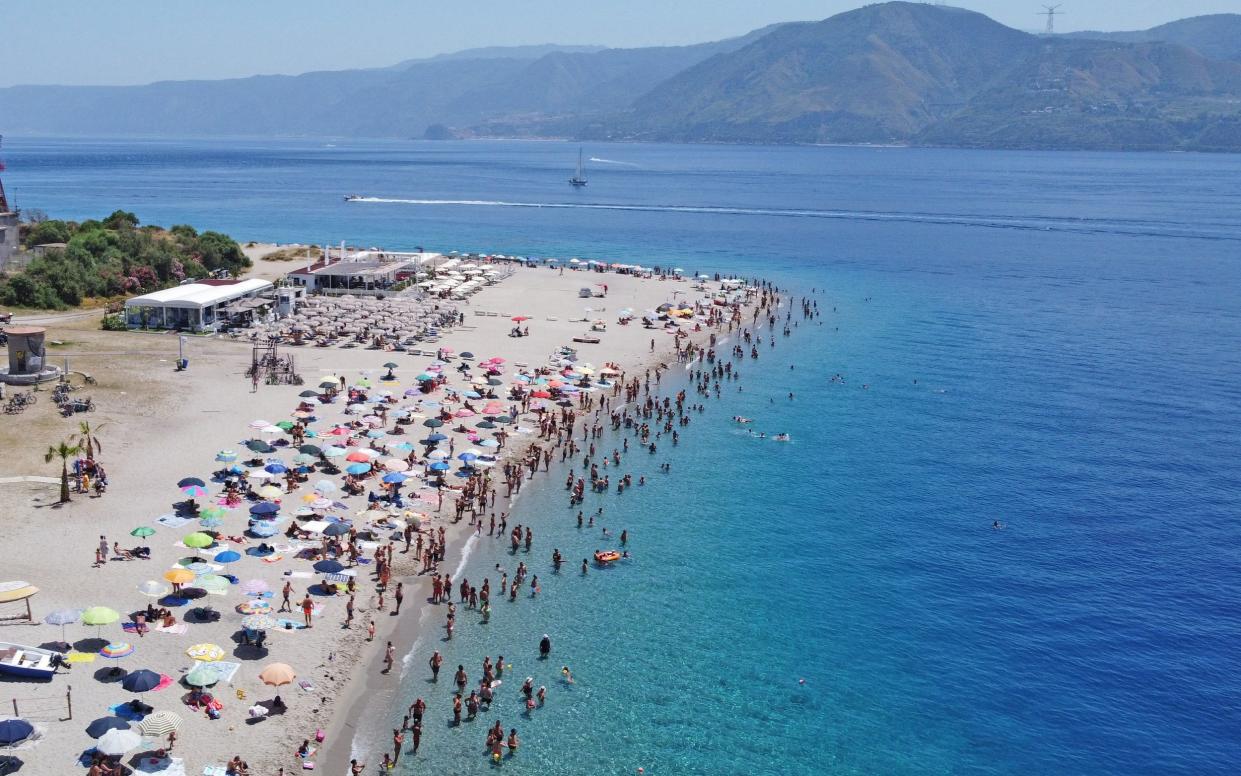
(158, 426)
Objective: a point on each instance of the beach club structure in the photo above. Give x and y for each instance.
(200, 306)
(363, 273)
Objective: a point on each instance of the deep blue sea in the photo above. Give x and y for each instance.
(1046, 339)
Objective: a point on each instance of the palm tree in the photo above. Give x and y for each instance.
(64, 451)
(88, 439)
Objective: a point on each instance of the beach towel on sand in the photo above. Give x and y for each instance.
(176, 629)
(81, 657)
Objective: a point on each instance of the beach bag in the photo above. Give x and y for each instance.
(320, 735)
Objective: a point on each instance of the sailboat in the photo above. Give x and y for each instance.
(578, 181)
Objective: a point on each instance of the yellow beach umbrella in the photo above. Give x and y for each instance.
(179, 576)
(278, 674)
(270, 492)
(205, 652)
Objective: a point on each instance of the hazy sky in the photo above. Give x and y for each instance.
(137, 41)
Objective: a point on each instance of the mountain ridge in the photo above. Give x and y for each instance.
(893, 72)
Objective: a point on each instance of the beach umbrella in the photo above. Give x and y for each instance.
(395, 465)
(271, 430)
(212, 583)
(104, 724)
(264, 529)
(277, 675)
(358, 468)
(270, 491)
(467, 354)
(142, 532)
(357, 456)
(391, 365)
(487, 424)
(467, 457)
(100, 615)
(309, 449)
(519, 318)
(328, 384)
(226, 456)
(308, 394)
(179, 576)
(394, 477)
(228, 556)
(115, 743)
(255, 606)
(439, 466)
(212, 512)
(260, 622)
(153, 588)
(254, 587)
(202, 675)
(319, 503)
(489, 443)
(436, 437)
(117, 650)
(210, 522)
(259, 424)
(328, 566)
(437, 455)
(142, 680)
(13, 731)
(336, 529)
(205, 652)
(259, 446)
(275, 468)
(302, 459)
(285, 425)
(188, 481)
(432, 422)
(334, 451)
(265, 508)
(160, 724)
(375, 433)
(63, 617)
(194, 491)
(198, 540)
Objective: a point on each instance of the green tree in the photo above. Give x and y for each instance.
(64, 451)
(121, 219)
(88, 438)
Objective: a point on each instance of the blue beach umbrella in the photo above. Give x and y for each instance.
(336, 529)
(226, 456)
(334, 451)
(265, 508)
(210, 522)
(392, 477)
(375, 433)
(142, 680)
(275, 468)
(185, 483)
(228, 556)
(436, 438)
(405, 446)
(329, 567)
(439, 466)
(264, 529)
(14, 730)
(358, 468)
(104, 724)
(467, 457)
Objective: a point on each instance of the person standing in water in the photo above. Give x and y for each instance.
(545, 647)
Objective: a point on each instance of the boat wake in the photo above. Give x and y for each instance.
(612, 161)
(1133, 228)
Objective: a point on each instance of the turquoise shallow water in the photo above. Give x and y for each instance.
(1071, 321)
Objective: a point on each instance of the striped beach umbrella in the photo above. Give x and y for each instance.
(117, 649)
(160, 724)
(259, 622)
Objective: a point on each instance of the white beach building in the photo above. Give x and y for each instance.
(200, 306)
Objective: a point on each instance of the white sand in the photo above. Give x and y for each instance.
(162, 426)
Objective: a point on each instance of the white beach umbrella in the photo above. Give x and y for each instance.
(117, 742)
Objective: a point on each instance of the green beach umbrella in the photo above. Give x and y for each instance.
(198, 540)
(142, 532)
(212, 583)
(100, 615)
(432, 422)
(310, 449)
(213, 512)
(203, 674)
(285, 425)
(391, 365)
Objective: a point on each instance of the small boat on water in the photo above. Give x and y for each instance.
(31, 662)
(579, 180)
(604, 557)
(352, 197)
